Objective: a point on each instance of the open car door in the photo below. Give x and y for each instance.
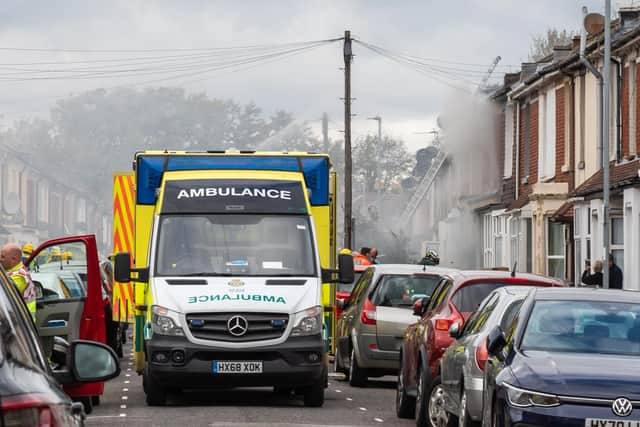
(70, 303)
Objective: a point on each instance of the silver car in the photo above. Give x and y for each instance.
(462, 366)
(374, 320)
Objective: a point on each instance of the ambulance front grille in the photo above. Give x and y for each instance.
(216, 326)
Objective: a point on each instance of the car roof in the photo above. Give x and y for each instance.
(416, 269)
(587, 294)
(466, 275)
(516, 290)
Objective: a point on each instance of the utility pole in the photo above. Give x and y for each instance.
(605, 142)
(348, 219)
(378, 176)
(325, 132)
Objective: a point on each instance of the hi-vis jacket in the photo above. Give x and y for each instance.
(21, 277)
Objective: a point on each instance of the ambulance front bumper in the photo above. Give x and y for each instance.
(174, 362)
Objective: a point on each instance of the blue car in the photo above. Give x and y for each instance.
(571, 357)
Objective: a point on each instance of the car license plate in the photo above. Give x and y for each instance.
(600, 422)
(237, 367)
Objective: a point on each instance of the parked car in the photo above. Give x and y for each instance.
(343, 290)
(375, 317)
(419, 392)
(570, 357)
(462, 366)
(30, 391)
(71, 317)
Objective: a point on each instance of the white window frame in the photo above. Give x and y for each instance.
(499, 240)
(547, 134)
(508, 139)
(617, 246)
(549, 257)
(514, 240)
(487, 244)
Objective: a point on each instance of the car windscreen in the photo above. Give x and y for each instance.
(468, 298)
(583, 327)
(395, 290)
(347, 288)
(235, 245)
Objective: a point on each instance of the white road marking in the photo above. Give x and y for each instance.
(127, 375)
(125, 389)
(125, 397)
(127, 382)
(123, 415)
(338, 391)
(123, 406)
(378, 420)
(362, 409)
(349, 399)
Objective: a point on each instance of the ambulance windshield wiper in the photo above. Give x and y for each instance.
(210, 273)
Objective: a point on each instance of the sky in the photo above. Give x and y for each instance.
(463, 36)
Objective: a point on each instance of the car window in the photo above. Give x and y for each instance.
(438, 297)
(510, 313)
(396, 290)
(468, 297)
(480, 317)
(361, 286)
(20, 343)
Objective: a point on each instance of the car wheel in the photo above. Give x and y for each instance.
(357, 375)
(314, 395)
(156, 395)
(438, 416)
(95, 400)
(464, 420)
(421, 412)
(87, 403)
(405, 404)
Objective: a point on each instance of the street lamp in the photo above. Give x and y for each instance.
(378, 147)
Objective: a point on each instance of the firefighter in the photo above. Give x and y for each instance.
(11, 260)
(362, 257)
(430, 258)
(27, 250)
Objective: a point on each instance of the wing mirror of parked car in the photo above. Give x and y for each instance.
(420, 306)
(342, 303)
(122, 269)
(496, 341)
(88, 361)
(455, 330)
(346, 273)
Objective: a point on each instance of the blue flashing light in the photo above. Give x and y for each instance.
(150, 169)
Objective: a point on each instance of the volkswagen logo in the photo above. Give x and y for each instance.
(237, 326)
(622, 407)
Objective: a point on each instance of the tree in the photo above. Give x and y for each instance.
(395, 161)
(542, 45)
(91, 135)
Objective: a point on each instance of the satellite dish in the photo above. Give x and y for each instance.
(11, 203)
(594, 23)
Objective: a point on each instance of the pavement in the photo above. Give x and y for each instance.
(123, 405)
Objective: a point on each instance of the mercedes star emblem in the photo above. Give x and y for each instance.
(622, 407)
(237, 326)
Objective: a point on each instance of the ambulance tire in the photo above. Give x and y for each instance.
(87, 403)
(314, 395)
(156, 395)
(95, 400)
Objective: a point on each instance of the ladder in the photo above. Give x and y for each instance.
(422, 189)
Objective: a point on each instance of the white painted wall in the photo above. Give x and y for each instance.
(631, 205)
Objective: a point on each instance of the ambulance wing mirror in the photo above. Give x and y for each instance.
(122, 267)
(345, 271)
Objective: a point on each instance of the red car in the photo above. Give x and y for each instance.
(343, 290)
(454, 300)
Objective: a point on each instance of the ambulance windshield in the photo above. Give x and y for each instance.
(235, 245)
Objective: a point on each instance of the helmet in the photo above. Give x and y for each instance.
(66, 255)
(27, 249)
(430, 258)
(345, 251)
(55, 252)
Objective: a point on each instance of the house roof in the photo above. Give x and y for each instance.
(621, 175)
(520, 203)
(564, 213)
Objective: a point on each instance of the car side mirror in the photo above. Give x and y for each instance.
(420, 305)
(88, 361)
(39, 290)
(342, 303)
(122, 267)
(496, 341)
(346, 272)
(455, 330)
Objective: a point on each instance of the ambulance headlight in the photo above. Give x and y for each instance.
(165, 321)
(307, 322)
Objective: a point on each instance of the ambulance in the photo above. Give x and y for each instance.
(233, 271)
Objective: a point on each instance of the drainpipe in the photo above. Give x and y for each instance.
(584, 61)
(619, 130)
(517, 171)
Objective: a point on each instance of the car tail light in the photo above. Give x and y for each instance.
(25, 410)
(368, 314)
(443, 324)
(482, 354)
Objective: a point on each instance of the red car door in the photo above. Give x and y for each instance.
(70, 303)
